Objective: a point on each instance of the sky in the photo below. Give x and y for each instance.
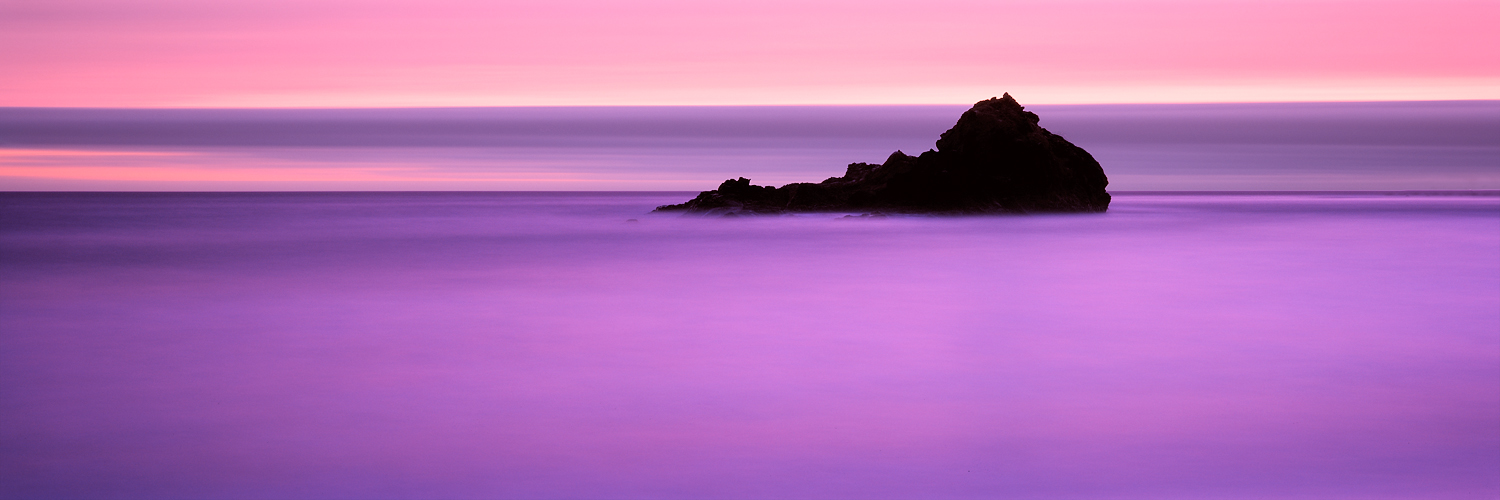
(576, 54)
(340, 53)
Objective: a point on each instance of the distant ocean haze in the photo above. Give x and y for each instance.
(1281, 146)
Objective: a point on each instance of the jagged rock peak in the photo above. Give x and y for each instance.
(995, 159)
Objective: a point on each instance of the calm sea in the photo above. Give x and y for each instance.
(543, 345)
(1439, 145)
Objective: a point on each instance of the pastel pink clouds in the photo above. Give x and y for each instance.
(341, 53)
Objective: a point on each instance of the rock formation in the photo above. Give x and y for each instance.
(994, 160)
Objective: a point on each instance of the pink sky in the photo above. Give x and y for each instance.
(155, 53)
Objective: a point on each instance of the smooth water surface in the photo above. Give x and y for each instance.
(539, 345)
(1424, 145)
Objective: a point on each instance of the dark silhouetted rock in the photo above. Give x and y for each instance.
(994, 160)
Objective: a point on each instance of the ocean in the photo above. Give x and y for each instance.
(1357, 146)
(1287, 300)
(531, 345)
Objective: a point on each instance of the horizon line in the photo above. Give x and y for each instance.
(802, 105)
(1407, 192)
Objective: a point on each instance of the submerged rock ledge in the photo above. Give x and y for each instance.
(996, 159)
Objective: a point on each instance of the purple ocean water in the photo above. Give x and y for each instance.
(541, 345)
(535, 345)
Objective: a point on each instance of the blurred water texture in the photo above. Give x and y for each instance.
(538, 345)
(1441, 145)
